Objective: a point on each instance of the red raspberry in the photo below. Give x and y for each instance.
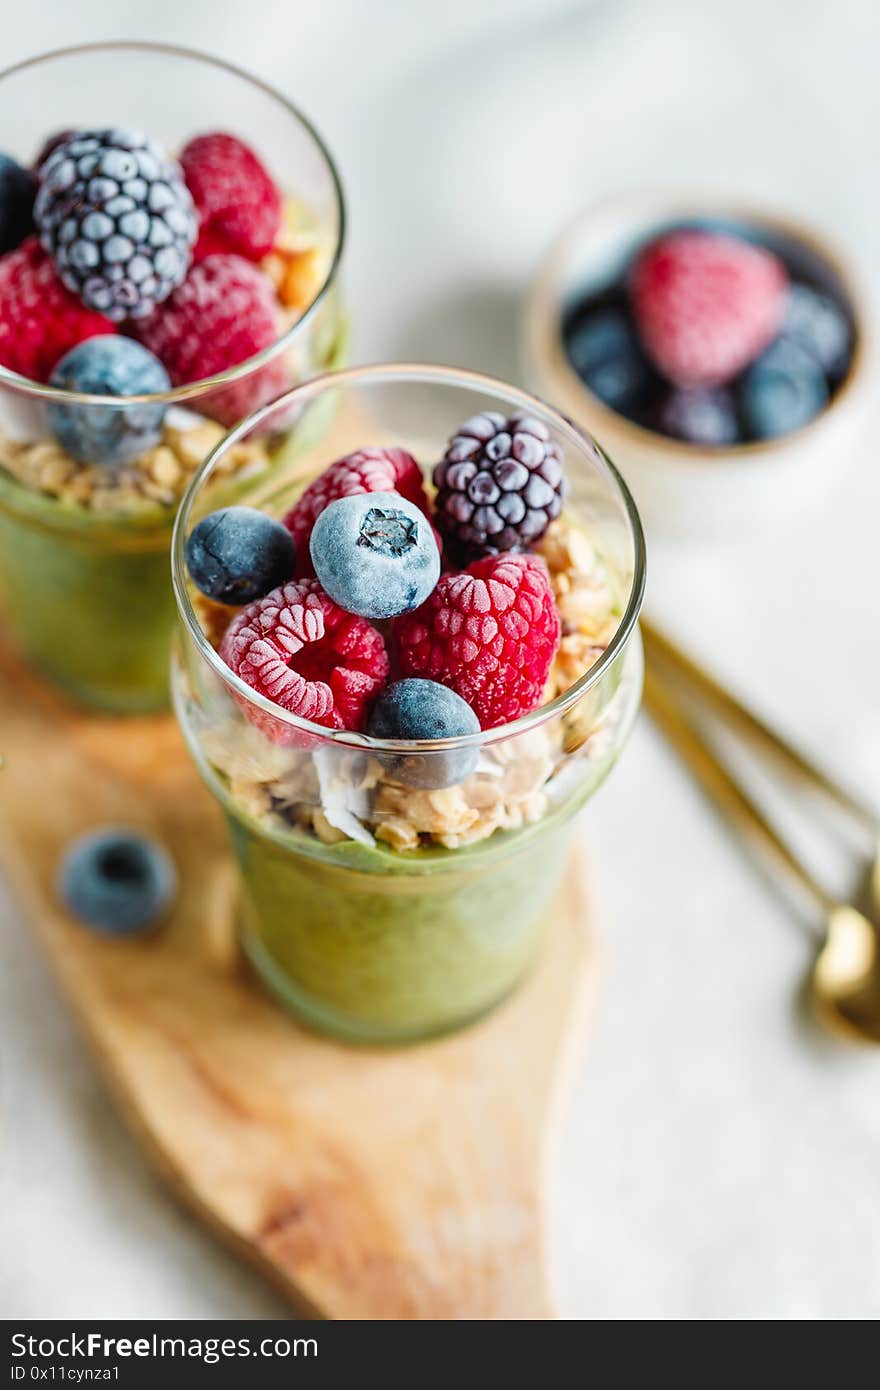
(298, 648)
(40, 320)
(366, 470)
(238, 205)
(224, 312)
(706, 304)
(489, 633)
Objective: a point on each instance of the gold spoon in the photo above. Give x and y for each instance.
(845, 978)
(738, 716)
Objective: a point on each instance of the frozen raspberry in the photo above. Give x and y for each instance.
(499, 485)
(366, 470)
(489, 634)
(298, 648)
(39, 319)
(706, 304)
(224, 312)
(238, 205)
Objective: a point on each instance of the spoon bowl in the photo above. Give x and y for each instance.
(846, 976)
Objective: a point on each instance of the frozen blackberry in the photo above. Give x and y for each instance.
(499, 485)
(118, 220)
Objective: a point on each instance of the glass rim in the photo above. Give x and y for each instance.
(181, 395)
(426, 374)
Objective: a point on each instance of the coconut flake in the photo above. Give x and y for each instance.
(345, 806)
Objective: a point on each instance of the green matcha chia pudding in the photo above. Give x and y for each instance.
(401, 703)
(154, 289)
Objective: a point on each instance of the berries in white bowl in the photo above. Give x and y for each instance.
(720, 353)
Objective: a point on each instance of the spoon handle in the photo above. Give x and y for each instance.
(725, 791)
(739, 716)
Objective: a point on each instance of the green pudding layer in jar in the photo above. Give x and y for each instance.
(87, 604)
(377, 946)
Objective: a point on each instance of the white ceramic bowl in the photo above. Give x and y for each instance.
(681, 488)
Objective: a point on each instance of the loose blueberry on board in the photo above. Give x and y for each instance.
(816, 323)
(423, 709)
(117, 219)
(111, 435)
(499, 485)
(239, 554)
(782, 391)
(117, 881)
(18, 188)
(606, 355)
(375, 554)
(700, 417)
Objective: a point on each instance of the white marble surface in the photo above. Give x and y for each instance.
(720, 1159)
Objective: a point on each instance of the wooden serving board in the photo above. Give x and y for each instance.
(366, 1183)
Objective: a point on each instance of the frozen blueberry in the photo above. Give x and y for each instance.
(700, 417)
(109, 366)
(117, 881)
(820, 326)
(603, 349)
(422, 709)
(238, 554)
(375, 554)
(18, 189)
(782, 391)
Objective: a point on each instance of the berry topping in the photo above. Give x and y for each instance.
(367, 470)
(108, 366)
(820, 326)
(375, 554)
(117, 881)
(706, 304)
(299, 649)
(18, 188)
(223, 313)
(39, 319)
(118, 220)
(782, 391)
(420, 709)
(499, 484)
(239, 554)
(490, 634)
(700, 417)
(605, 353)
(238, 205)
(50, 145)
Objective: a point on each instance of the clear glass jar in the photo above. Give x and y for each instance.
(379, 911)
(84, 580)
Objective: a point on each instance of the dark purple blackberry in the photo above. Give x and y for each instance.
(117, 219)
(499, 485)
